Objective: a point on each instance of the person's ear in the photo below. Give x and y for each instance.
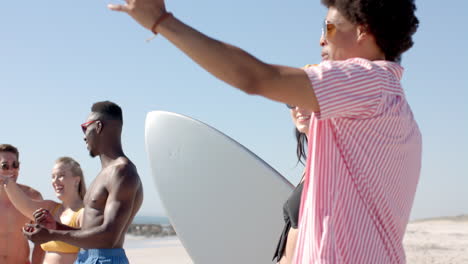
(362, 33)
(99, 127)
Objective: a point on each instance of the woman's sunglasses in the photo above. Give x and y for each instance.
(5, 166)
(290, 106)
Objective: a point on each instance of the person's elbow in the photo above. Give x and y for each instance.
(110, 238)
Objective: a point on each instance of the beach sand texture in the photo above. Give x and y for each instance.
(435, 241)
(168, 250)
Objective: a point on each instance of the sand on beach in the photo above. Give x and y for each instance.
(434, 241)
(168, 250)
(437, 241)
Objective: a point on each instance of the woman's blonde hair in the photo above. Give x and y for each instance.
(76, 171)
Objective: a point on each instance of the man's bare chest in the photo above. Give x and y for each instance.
(96, 196)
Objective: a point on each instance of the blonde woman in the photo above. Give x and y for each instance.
(69, 185)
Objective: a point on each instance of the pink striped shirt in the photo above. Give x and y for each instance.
(363, 166)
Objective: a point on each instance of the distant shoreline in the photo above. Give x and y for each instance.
(151, 226)
(151, 230)
(143, 219)
(458, 218)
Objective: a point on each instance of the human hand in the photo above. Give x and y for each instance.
(36, 233)
(145, 12)
(44, 218)
(4, 179)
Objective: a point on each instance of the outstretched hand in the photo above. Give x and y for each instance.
(36, 233)
(145, 12)
(44, 218)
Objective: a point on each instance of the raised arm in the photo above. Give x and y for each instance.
(228, 63)
(25, 199)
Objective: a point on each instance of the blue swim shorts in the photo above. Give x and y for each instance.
(102, 256)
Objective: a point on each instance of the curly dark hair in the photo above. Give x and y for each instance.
(392, 22)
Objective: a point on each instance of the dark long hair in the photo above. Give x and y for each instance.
(301, 149)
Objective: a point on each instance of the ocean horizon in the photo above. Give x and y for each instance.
(147, 220)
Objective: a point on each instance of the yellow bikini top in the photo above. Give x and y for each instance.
(59, 246)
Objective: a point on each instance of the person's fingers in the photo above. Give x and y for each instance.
(40, 211)
(37, 214)
(40, 214)
(28, 228)
(121, 8)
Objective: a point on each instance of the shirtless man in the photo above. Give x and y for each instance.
(14, 248)
(113, 198)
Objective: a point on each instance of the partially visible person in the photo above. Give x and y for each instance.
(113, 199)
(287, 243)
(69, 185)
(14, 247)
(364, 155)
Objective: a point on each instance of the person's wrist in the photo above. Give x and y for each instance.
(53, 233)
(164, 15)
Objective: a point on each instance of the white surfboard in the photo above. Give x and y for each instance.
(224, 202)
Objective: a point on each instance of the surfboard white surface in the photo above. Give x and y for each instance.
(224, 202)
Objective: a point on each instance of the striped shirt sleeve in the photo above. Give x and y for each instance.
(349, 89)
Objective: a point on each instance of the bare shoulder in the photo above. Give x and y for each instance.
(31, 192)
(123, 170)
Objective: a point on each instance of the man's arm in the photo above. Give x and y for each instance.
(228, 63)
(123, 185)
(37, 256)
(24, 198)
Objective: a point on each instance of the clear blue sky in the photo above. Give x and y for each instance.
(58, 57)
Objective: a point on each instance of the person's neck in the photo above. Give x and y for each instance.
(110, 150)
(3, 195)
(108, 157)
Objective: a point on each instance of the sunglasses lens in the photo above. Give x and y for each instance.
(85, 126)
(324, 29)
(290, 106)
(5, 166)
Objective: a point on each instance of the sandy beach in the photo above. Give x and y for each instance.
(433, 241)
(141, 250)
(437, 241)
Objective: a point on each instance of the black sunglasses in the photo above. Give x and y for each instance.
(290, 106)
(6, 166)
